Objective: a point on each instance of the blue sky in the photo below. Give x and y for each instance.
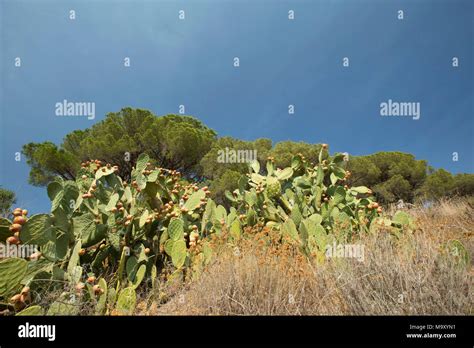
(282, 62)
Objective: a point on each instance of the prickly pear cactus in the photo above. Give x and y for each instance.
(66, 304)
(156, 221)
(175, 230)
(31, 311)
(306, 201)
(102, 297)
(273, 188)
(178, 253)
(126, 301)
(103, 224)
(403, 220)
(12, 272)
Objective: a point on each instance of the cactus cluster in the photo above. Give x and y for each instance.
(156, 222)
(309, 203)
(99, 223)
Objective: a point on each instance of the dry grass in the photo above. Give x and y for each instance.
(410, 275)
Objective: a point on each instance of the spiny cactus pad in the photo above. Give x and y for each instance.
(175, 229)
(12, 272)
(194, 200)
(38, 230)
(126, 301)
(32, 311)
(178, 253)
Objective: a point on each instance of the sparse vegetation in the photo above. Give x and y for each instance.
(416, 274)
(112, 246)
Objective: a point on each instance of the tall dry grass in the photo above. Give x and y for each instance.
(409, 275)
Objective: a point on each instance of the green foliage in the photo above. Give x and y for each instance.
(437, 184)
(403, 220)
(12, 272)
(128, 228)
(182, 140)
(7, 199)
(140, 219)
(173, 141)
(175, 229)
(364, 171)
(4, 229)
(102, 300)
(215, 164)
(32, 311)
(394, 189)
(284, 152)
(306, 202)
(441, 183)
(178, 253)
(228, 181)
(48, 161)
(463, 185)
(38, 230)
(184, 143)
(62, 307)
(126, 301)
(228, 160)
(393, 175)
(194, 201)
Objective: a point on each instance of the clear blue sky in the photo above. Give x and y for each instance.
(282, 62)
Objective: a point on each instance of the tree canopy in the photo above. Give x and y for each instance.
(173, 141)
(441, 183)
(393, 175)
